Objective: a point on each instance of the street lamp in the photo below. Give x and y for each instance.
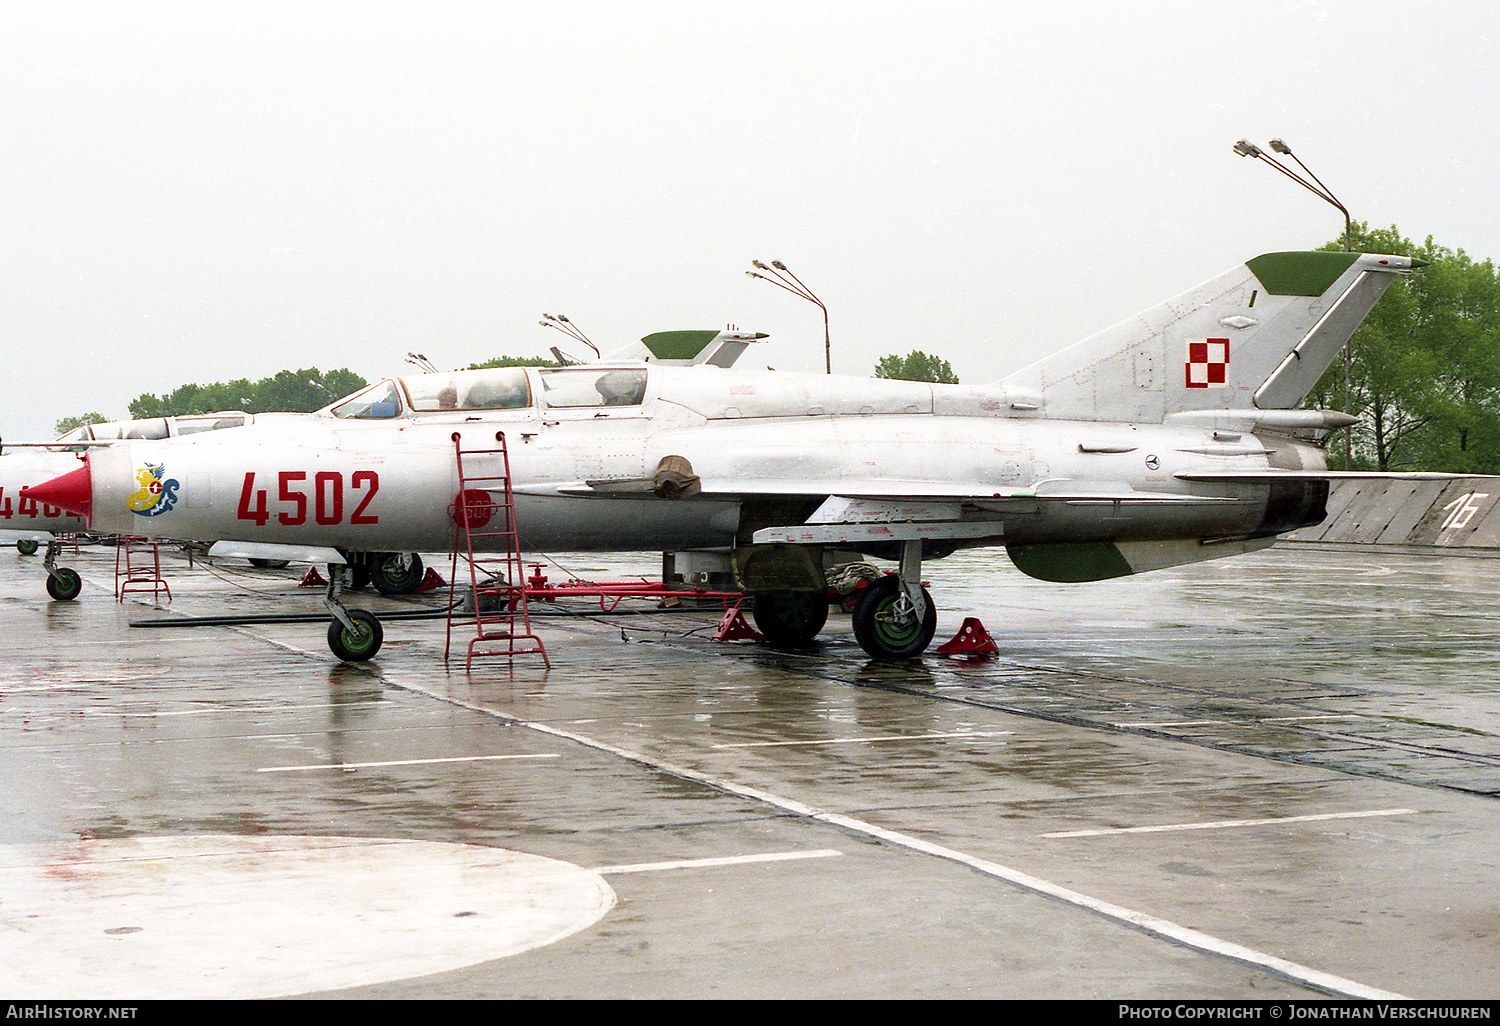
(560, 322)
(777, 274)
(1245, 148)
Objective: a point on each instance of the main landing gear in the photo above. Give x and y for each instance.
(891, 622)
(395, 573)
(790, 619)
(355, 635)
(894, 617)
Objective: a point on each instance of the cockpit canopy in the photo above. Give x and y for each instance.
(156, 427)
(496, 388)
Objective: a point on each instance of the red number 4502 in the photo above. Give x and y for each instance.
(323, 498)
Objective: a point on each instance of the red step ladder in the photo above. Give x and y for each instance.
(484, 511)
(138, 567)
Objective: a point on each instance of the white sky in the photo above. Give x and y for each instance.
(200, 192)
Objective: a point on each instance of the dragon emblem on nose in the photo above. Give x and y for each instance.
(157, 494)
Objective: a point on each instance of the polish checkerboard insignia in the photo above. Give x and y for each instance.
(1207, 362)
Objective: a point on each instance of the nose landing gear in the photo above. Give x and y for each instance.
(355, 635)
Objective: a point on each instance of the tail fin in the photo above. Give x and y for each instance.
(1258, 337)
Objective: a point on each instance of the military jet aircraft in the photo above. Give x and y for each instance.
(1172, 437)
(29, 524)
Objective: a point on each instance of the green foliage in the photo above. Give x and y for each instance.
(69, 423)
(1425, 371)
(300, 391)
(916, 366)
(514, 361)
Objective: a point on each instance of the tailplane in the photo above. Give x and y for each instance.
(1256, 338)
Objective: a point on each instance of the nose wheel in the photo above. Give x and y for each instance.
(355, 634)
(63, 583)
(357, 643)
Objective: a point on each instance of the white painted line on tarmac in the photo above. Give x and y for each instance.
(220, 709)
(1223, 824)
(1174, 723)
(728, 860)
(862, 740)
(64, 687)
(397, 762)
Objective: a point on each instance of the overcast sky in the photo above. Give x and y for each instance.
(201, 192)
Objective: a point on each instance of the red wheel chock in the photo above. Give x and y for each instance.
(734, 627)
(312, 579)
(430, 581)
(971, 640)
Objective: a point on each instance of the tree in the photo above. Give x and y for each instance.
(1425, 369)
(69, 423)
(514, 361)
(916, 366)
(288, 391)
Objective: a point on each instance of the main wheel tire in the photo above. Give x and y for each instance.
(27, 546)
(879, 634)
(64, 584)
(270, 564)
(790, 619)
(356, 648)
(390, 578)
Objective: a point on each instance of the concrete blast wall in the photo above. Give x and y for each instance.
(1462, 514)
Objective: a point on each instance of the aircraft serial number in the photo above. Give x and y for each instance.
(14, 509)
(323, 498)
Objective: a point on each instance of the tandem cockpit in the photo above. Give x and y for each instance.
(618, 382)
(495, 389)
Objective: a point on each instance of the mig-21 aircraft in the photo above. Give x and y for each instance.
(29, 524)
(1172, 437)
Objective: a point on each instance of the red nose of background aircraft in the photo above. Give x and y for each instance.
(73, 491)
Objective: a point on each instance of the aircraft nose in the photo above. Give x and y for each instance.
(73, 491)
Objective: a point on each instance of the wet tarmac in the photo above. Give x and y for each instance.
(1268, 777)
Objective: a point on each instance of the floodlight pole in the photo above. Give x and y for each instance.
(1245, 148)
(561, 323)
(781, 277)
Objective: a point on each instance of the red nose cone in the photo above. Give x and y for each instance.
(74, 491)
